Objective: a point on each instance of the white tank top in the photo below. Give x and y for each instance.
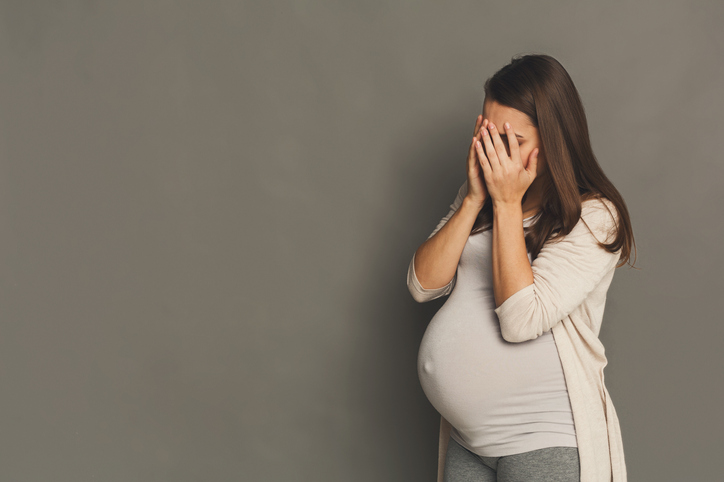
(501, 398)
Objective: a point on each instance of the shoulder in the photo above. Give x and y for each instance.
(598, 203)
(600, 216)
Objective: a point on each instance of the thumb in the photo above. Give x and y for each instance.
(533, 162)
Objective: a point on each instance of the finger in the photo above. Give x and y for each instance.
(490, 150)
(484, 126)
(479, 129)
(482, 158)
(472, 157)
(533, 162)
(476, 137)
(513, 143)
(498, 143)
(478, 121)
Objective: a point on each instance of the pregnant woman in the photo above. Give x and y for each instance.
(512, 360)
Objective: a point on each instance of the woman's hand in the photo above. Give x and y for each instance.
(477, 192)
(506, 178)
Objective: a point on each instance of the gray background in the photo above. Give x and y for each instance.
(207, 211)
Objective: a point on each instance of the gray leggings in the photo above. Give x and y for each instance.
(551, 464)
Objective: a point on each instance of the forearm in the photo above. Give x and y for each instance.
(436, 260)
(511, 268)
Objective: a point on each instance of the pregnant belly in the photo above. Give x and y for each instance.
(470, 373)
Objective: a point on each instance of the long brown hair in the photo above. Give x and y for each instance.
(539, 86)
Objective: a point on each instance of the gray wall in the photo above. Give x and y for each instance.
(207, 211)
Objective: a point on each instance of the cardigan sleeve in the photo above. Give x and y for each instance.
(420, 294)
(565, 272)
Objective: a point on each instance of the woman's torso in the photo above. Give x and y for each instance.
(501, 398)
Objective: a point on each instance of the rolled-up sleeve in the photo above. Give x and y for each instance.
(565, 272)
(419, 293)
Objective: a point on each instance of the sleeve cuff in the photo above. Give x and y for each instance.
(512, 306)
(425, 293)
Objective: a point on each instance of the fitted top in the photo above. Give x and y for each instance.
(566, 300)
(501, 398)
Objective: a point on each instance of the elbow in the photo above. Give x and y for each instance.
(513, 336)
(418, 296)
(510, 338)
(422, 295)
(524, 316)
(518, 336)
(523, 327)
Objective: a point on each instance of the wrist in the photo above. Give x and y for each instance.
(507, 209)
(473, 205)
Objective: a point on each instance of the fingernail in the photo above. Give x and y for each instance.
(491, 125)
(507, 125)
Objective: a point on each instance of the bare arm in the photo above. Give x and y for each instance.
(432, 271)
(436, 260)
(511, 267)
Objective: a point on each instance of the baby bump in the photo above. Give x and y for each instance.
(468, 371)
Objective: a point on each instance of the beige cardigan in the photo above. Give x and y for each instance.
(568, 296)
